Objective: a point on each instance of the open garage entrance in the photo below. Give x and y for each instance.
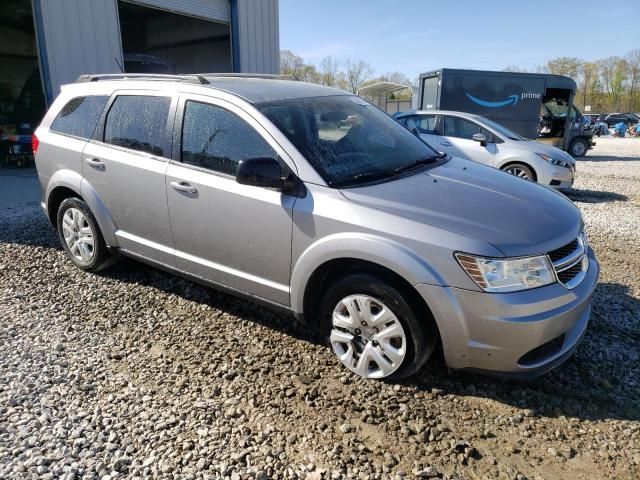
(159, 41)
(22, 103)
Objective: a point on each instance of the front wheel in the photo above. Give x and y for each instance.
(374, 329)
(520, 170)
(578, 147)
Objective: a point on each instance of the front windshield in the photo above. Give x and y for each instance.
(347, 139)
(502, 130)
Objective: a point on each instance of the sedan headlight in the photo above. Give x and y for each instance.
(554, 161)
(507, 274)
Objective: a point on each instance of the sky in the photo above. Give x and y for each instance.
(413, 36)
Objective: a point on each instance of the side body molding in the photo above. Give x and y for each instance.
(381, 251)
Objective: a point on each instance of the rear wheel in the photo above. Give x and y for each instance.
(578, 147)
(520, 170)
(374, 329)
(80, 235)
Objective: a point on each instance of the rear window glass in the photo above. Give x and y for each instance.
(138, 122)
(79, 116)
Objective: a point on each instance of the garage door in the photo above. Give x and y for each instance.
(218, 10)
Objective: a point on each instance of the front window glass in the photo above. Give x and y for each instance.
(422, 124)
(461, 128)
(347, 139)
(216, 139)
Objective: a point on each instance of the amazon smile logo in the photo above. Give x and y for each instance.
(510, 100)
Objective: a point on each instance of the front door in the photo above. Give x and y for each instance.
(457, 140)
(126, 167)
(231, 234)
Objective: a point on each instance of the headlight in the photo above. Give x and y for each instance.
(507, 274)
(554, 161)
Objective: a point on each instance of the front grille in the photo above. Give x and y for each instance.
(570, 262)
(565, 276)
(542, 352)
(563, 252)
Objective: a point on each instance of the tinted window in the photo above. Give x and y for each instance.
(422, 124)
(217, 139)
(138, 122)
(461, 128)
(79, 116)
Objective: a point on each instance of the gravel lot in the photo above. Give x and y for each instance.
(133, 373)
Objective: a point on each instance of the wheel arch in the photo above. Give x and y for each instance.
(514, 161)
(67, 183)
(345, 253)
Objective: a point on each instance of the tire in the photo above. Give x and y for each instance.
(578, 147)
(520, 170)
(401, 352)
(80, 236)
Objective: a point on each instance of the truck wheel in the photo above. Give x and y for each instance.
(578, 147)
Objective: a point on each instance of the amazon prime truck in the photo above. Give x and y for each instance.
(537, 106)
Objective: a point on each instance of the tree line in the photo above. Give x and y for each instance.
(610, 84)
(348, 74)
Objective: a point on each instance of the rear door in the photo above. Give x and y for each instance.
(126, 166)
(457, 140)
(235, 235)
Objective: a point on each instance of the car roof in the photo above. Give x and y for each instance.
(260, 90)
(252, 88)
(441, 112)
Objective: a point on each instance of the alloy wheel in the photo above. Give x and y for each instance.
(367, 336)
(78, 234)
(518, 172)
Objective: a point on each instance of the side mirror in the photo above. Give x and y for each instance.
(480, 137)
(262, 172)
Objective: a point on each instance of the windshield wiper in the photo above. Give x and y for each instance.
(362, 177)
(419, 162)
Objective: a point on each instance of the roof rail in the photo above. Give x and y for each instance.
(195, 78)
(248, 75)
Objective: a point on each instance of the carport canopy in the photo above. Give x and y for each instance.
(378, 93)
(381, 89)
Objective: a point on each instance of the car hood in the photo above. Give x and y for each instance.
(516, 216)
(536, 147)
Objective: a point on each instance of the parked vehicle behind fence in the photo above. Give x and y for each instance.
(311, 200)
(485, 141)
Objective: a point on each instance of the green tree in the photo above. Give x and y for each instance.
(589, 81)
(567, 66)
(614, 73)
(633, 63)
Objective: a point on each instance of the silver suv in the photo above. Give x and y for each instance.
(310, 199)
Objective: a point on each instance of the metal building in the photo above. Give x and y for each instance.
(46, 43)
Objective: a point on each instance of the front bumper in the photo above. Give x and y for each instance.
(491, 333)
(557, 177)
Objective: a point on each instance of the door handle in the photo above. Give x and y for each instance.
(183, 187)
(445, 144)
(95, 162)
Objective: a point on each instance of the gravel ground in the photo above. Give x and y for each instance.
(133, 373)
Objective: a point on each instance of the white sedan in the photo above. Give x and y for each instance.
(485, 141)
